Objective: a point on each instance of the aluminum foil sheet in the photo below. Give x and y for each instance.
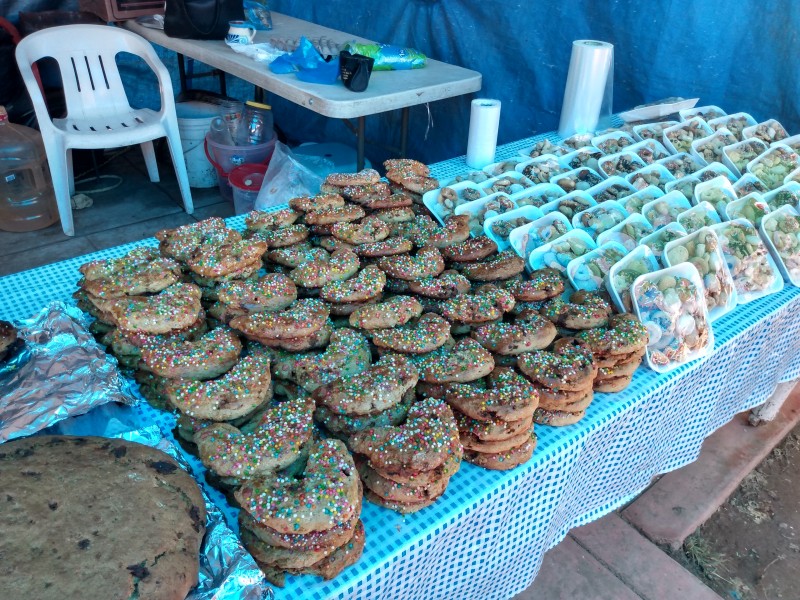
(58, 371)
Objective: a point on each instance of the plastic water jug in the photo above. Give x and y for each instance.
(27, 201)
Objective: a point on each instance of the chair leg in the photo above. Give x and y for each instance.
(176, 151)
(59, 161)
(71, 173)
(150, 161)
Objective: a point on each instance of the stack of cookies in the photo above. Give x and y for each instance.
(307, 522)
(495, 422)
(618, 350)
(407, 467)
(303, 326)
(269, 293)
(410, 177)
(467, 312)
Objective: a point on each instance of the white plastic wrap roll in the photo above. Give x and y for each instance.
(484, 121)
(589, 91)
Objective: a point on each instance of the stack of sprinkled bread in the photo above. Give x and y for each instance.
(618, 350)
(308, 522)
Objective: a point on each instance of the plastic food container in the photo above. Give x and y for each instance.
(613, 188)
(751, 207)
(652, 175)
(649, 151)
(611, 143)
(652, 131)
(540, 169)
(670, 304)
(622, 274)
(628, 233)
(558, 254)
(543, 147)
(246, 182)
(580, 179)
(706, 112)
(681, 165)
(538, 195)
(578, 140)
(582, 157)
(600, 218)
(679, 138)
(541, 231)
(793, 176)
(788, 193)
(701, 215)
(620, 163)
(709, 149)
(665, 210)
(715, 169)
(661, 237)
(499, 228)
(503, 166)
(635, 202)
(718, 192)
(736, 156)
(570, 204)
(793, 142)
(753, 269)
(484, 208)
(774, 164)
(473, 176)
(748, 184)
(767, 131)
(588, 272)
(703, 250)
(780, 230)
(734, 123)
(508, 183)
(443, 202)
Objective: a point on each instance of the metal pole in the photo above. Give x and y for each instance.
(182, 71)
(403, 131)
(360, 144)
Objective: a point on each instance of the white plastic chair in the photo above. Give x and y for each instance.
(98, 113)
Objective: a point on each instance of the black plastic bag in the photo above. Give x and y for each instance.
(201, 19)
(355, 70)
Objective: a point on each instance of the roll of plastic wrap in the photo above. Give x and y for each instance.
(484, 121)
(590, 86)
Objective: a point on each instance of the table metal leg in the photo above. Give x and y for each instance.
(360, 143)
(403, 131)
(258, 93)
(182, 71)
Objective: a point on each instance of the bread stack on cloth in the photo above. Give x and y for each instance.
(308, 522)
(618, 351)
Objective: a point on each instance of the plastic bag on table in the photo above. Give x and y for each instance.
(286, 178)
(307, 64)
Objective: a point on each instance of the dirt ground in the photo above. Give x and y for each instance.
(750, 548)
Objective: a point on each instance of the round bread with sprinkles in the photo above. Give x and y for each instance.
(297, 254)
(425, 335)
(412, 491)
(404, 508)
(503, 461)
(362, 177)
(363, 193)
(474, 444)
(347, 354)
(561, 399)
(447, 285)
(281, 237)
(378, 388)
(423, 443)
(408, 180)
(470, 250)
(316, 203)
(611, 360)
(388, 247)
(396, 200)
(331, 244)
(274, 444)
(240, 391)
(368, 231)
(219, 261)
(542, 284)
(174, 308)
(488, 303)
(345, 309)
(516, 338)
(302, 319)
(347, 425)
(494, 268)
(613, 385)
(624, 334)
(417, 231)
(341, 265)
(259, 220)
(583, 311)
(205, 358)
(427, 263)
(338, 214)
(407, 165)
(270, 292)
(396, 311)
(454, 231)
(491, 431)
(182, 242)
(465, 362)
(327, 494)
(508, 397)
(570, 366)
(318, 339)
(141, 271)
(557, 418)
(402, 214)
(365, 285)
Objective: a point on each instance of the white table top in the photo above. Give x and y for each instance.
(388, 90)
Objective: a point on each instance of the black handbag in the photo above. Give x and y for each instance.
(201, 19)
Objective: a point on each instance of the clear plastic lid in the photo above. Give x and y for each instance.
(681, 165)
(613, 188)
(650, 131)
(558, 254)
(508, 183)
(543, 147)
(751, 207)
(709, 149)
(793, 142)
(753, 269)
(718, 192)
(652, 175)
(578, 140)
(679, 138)
(540, 169)
(734, 123)
(621, 163)
(767, 131)
(715, 169)
(600, 218)
(570, 204)
(699, 216)
(774, 164)
(499, 227)
(635, 202)
(657, 240)
(665, 210)
(580, 179)
(649, 150)
(622, 274)
(788, 193)
(442, 202)
(684, 186)
(669, 303)
(582, 157)
(613, 142)
(538, 195)
(703, 250)
(484, 208)
(747, 184)
(588, 272)
(737, 155)
(628, 232)
(780, 231)
(539, 232)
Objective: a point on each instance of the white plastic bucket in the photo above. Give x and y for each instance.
(194, 120)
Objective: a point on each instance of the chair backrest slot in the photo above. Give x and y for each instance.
(103, 70)
(89, 72)
(75, 71)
